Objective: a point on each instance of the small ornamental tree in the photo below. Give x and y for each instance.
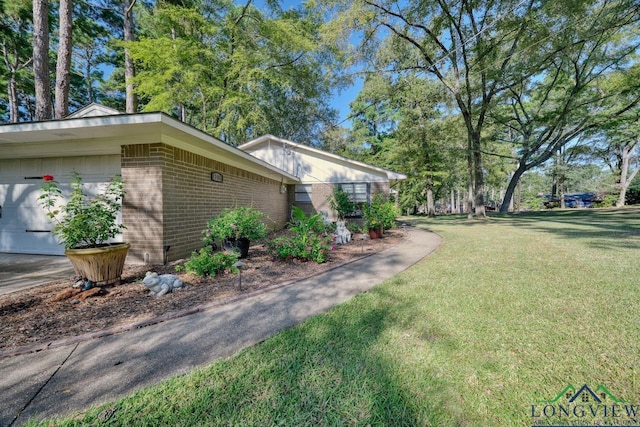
(340, 201)
(83, 221)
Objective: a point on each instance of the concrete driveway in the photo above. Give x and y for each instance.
(20, 271)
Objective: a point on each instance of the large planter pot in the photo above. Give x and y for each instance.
(375, 233)
(102, 265)
(241, 245)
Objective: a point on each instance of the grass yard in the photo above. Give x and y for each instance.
(507, 313)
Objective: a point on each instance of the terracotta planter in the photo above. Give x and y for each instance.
(375, 233)
(102, 265)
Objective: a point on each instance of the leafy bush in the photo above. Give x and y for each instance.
(83, 221)
(206, 263)
(607, 201)
(340, 201)
(388, 214)
(301, 224)
(380, 213)
(308, 241)
(314, 248)
(236, 223)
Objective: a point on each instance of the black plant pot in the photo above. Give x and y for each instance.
(241, 245)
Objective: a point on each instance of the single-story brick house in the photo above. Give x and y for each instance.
(176, 177)
(320, 172)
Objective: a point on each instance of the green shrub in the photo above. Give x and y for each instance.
(388, 214)
(308, 242)
(236, 223)
(340, 201)
(314, 247)
(206, 263)
(607, 201)
(380, 213)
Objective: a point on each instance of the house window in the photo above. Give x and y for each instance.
(359, 191)
(303, 193)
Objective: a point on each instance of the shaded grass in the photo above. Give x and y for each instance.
(505, 314)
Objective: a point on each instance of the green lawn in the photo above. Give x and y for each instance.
(505, 314)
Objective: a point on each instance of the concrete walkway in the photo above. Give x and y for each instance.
(19, 271)
(70, 378)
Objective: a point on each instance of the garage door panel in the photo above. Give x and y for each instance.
(24, 224)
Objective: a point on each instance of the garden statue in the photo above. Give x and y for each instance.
(343, 235)
(160, 285)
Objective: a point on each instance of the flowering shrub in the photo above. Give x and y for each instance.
(234, 224)
(309, 242)
(206, 263)
(83, 221)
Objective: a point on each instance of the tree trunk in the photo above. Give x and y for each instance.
(431, 207)
(470, 178)
(508, 195)
(129, 68)
(12, 85)
(63, 65)
(626, 180)
(478, 173)
(13, 99)
(519, 199)
(42, 80)
(87, 72)
(453, 201)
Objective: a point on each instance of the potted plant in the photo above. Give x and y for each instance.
(85, 224)
(379, 215)
(236, 228)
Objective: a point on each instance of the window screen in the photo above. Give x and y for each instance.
(359, 191)
(303, 193)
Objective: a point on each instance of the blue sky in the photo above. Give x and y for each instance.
(341, 100)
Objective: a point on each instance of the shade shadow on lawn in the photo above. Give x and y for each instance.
(587, 224)
(327, 371)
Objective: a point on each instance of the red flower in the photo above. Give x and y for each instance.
(48, 177)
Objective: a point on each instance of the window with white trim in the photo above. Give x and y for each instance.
(303, 193)
(358, 191)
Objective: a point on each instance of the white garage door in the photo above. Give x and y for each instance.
(24, 226)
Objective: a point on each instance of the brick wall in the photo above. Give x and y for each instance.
(184, 198)
(141, 169)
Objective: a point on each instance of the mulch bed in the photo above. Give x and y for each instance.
(57, 310)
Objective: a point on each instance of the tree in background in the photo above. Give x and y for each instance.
(233, 70)
(63, 63)
(544, 58)
(468, 47)
(566, 93)
(42, 80)
(617, 141)
(17, 52)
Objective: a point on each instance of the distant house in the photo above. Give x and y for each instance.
(175, 177)
(320, 172)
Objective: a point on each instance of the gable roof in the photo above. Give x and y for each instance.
(256, 143)
(86, 134)
(93, 110)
